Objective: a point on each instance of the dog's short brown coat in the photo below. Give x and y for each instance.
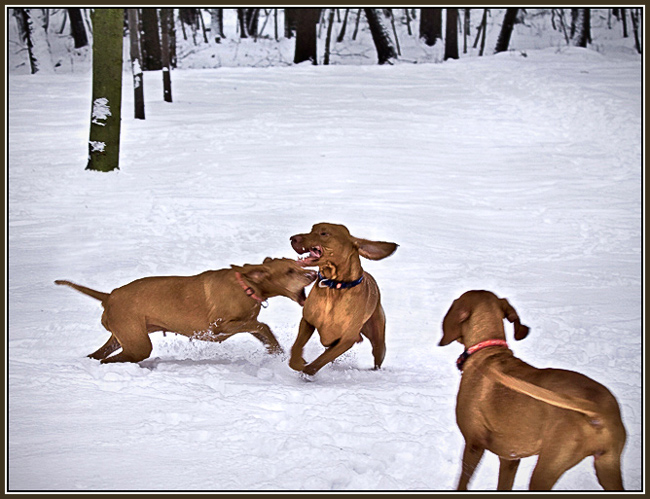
(515, 410)
(340, 315)
(211, 306)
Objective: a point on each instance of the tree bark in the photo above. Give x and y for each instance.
(136, 64)
(328, 38)
(77, 28)
(506, 30)
(583, 28)
(216, 25)
(104, 142)
(306, 40)
(431, 25)
(384, 45)
(40, 57)
(451, 34)
(166, 21)
(151, 55)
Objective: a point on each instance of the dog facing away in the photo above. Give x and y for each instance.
(210, 306)
(345, 302)
(515, 410)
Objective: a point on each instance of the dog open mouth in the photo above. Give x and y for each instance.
(310, 256)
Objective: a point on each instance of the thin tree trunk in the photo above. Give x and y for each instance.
(408, 22)
(392, 22)
(202, 23)
(136, 65)
(384, 45)
(466, 26)
(104, 142)
(451, 35)
(166, 21)
(77, 28)
(506, 30)
(634, 14)
(306, 40)
(40, 57)
(341, 36)
(356, 25)
(328, 38)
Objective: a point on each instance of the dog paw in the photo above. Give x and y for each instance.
(297, 364)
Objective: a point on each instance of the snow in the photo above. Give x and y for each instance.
(519, 173)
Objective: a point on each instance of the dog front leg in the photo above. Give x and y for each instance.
(507, 471)
(305, 331)
(264, 334)
(328, 356)
(471, 457)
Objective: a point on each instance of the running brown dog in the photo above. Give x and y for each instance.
(515, 410)
(345, 302)
(211, 306)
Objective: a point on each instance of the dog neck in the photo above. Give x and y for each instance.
(348, 271)
(323, 282)
(460, 362)
(249, 290)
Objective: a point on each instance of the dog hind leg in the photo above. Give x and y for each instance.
(375, 331)
(608, 471)
(109, 347)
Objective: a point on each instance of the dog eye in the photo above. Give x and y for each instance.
(324, 233)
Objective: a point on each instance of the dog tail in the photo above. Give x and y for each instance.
(98, 295)
(560, 400)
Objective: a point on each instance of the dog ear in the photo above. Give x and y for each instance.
(374, 250)
(457, 314)
(267, 259)
(510, 313)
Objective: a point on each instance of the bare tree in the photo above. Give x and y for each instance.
(506, 30)
(431, 25)
(150, 40)
(136, 63)
(385, 48)
(328, 38)
(583, 28)
(104, 142)
(216, 25)
(77, 28)
(166, 24)
(306, 40)
(34, 22)
(451, 34)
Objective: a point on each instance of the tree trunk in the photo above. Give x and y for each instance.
(216, 25)
(328, 38)
(506, 30)
(306, 40)
(341, 36)
(451, 34)
(466, 26)
(166, 21)
(356, 25)
(150, 39)
(136, 65)
(77, 28)
(104, 142)
(635, 15)
(384, 45)
(431, 25)
(40, 57)
(583, 28)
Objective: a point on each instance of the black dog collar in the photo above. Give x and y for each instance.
(331, 283)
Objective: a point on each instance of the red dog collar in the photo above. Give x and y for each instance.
(249, 291)
(460, 362)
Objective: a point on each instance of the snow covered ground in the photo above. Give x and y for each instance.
(518, 173)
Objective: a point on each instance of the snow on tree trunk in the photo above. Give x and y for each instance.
(384, 45)
(136, 64)
(104, 142)
(40, 57)
(150, 39)
(216, 25)
(583, 28)
(506, 30)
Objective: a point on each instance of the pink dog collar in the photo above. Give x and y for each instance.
(249, 291)
(460, 362)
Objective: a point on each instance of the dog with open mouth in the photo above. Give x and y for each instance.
(345, 301)
(211, 306)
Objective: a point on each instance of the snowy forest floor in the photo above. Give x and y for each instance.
(519, 173)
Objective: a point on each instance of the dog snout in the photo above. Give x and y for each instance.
(297, 243)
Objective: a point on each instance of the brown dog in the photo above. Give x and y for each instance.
(211, 306)
(345, 302)
(515, 410)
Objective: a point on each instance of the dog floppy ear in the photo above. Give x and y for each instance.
(510, 313)
(457, 314)
(374, 250)
(255, 273)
